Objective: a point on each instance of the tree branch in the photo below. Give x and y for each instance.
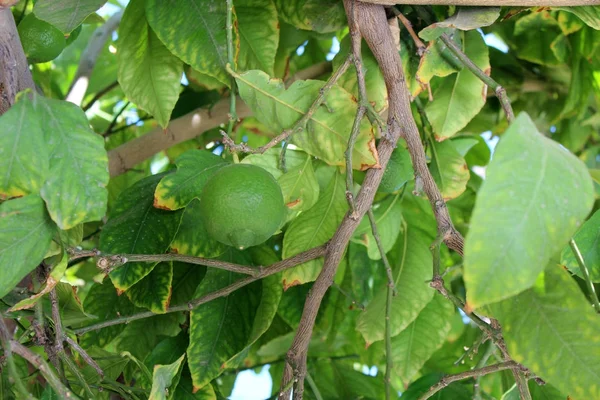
(391, 292)
(38, 362)
(586, 274)
(14, 70)
(447, 380)
(108, 263)
(282, 265)
(372, 22)
(89, 57)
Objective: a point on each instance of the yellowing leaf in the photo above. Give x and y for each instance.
(326, 133)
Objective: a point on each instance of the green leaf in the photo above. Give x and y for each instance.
(388, 217)
(300, 187)
(75, 185)
(465, 19)
(142, 336)
(149, 73)
(375, 85)
(314, 15)
(426, 334)
(337, 379)
(26, 231)
(534, 197)
(186, 278)
(270, 160)
(476, 154)
(449, 169)
(23, 160)
(411, 263)
(438, 61)
(154, 290)
(588, 14)
(167, 351)
(193, 239)
(458, 99)
(136, 227)
(326, 133)
(163, 377)
(569, 23)
(105, 304)
(551, 328)
(535, 34)
(269, 301)
(66, 15)
(194, 169)
(220, 328)
(312, 228)
(193, 30)
(587, 239)
(259, 34)
(185, 389)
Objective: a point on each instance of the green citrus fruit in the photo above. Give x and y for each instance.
(42, 42)
(242, 205)
(397, 172)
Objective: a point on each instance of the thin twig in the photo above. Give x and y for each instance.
(108, 263)
(386, 263)
(298, 127)
(421, 48)
(313, 387)
(112, 124)
(38, 362)
(5, 337)
(586, 274)
(391, 292)
(447, 380)
(86, 357)
(490, 348)
(78, 375)
(282, 265)
(349, 296)
(363, 101)
(124, 127)
(232, 94)
(462, 58)
(485, 78)
(99, 95)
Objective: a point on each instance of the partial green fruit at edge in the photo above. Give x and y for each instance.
(42, 42)
(242, 205)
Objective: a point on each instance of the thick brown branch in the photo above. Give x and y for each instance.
(264, 272)
(372, 22)
(14, 70)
